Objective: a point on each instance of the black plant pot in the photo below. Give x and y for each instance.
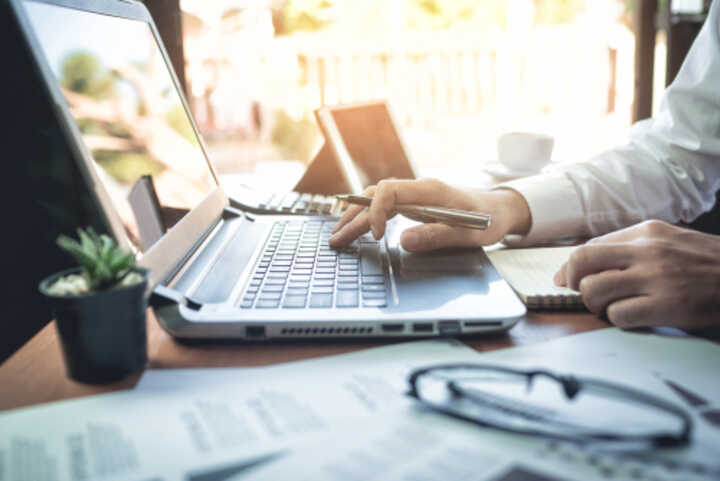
(103, 335)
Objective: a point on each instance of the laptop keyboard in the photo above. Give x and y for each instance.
(297, 269)
(304, 204)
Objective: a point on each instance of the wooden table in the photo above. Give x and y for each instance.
(36, 373)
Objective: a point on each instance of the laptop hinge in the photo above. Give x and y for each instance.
(230, 212)
(163, 296)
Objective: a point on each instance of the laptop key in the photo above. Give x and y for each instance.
(373, 279)
(373, 288)
(346, 299)
(296, 302)
(297, 291)
(277, 275)
(246, 304)
(347, 286)
(321, 300)
(373, 295)
(371, 265)
(374, 303)
(267, 304)
(322, 290)
(270, 296)
(273, 288)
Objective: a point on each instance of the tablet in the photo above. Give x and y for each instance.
(366, 143)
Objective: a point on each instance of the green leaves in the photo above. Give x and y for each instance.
(102, 261)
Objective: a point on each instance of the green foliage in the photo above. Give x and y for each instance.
(444, 14)
(178, 120)
(297, 139)
(96, 127)
(300, 16)
(103, 263)
(83, 73)
(557, 11)
(127, 167)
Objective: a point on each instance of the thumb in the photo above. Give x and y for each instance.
(428, 237)
(560, 277)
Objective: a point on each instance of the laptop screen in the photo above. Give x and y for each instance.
(372, 142)
(128, 110)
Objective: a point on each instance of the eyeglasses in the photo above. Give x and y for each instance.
(541, 403)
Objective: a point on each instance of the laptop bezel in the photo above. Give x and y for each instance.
(168, 254)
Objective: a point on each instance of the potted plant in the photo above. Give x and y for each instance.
(99, 309)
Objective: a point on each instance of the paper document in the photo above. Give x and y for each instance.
(416, 445)
(196, 428)
(411, 443)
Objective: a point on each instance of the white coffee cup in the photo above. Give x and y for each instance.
(525, 151)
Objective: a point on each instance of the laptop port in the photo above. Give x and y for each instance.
(423, 327)
(449, 328)
(393, 327)
(483, 324)
(256, 332)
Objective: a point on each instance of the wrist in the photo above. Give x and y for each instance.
(515, 211)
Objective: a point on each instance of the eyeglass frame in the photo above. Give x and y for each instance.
(571, 387)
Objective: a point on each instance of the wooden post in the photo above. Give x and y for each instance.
(612, 84)
(644, 16)
(168, 20)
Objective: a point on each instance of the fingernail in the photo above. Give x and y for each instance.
(374, 233)
(412, 240)
(332, 239)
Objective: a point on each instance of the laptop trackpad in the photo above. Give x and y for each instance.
(456, 261)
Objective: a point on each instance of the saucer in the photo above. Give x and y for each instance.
(501, 172)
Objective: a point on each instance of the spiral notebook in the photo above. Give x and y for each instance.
(530, 272)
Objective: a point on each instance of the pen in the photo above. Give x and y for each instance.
(427, 214)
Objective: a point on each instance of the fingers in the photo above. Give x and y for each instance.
(641, 311)
(600, 290)
(560, 277)
(591, 259)
(386, 195)
(351, 231)
(353, 210)
(389, 193)
(429, 237)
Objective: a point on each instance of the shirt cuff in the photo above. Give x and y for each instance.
(555, 209)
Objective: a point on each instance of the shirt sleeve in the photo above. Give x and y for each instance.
(669, 170)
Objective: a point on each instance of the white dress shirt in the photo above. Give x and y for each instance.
(669, 170)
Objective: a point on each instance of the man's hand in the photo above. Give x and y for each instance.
(650, 274)
(509, 211)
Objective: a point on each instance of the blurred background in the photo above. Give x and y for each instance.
(456, 73)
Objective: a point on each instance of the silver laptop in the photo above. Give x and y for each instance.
(218, 272)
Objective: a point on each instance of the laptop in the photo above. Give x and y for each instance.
(362, 147)
(217, 271)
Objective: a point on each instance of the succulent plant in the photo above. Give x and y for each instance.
(104, 264)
